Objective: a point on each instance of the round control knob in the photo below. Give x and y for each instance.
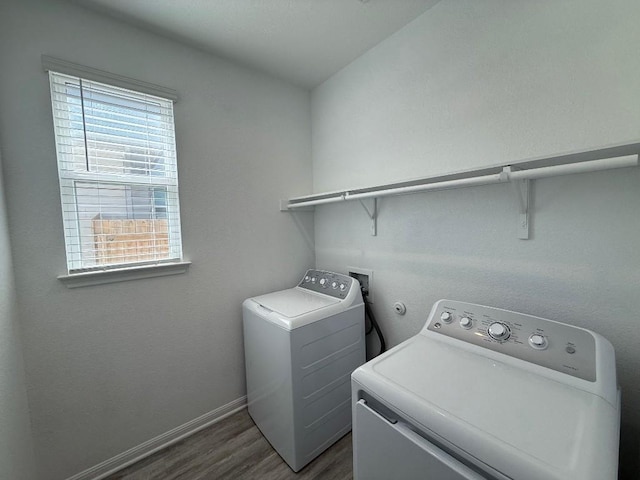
(313, 279)
(334, 285)
(323, 282)
(537, 341)
(307, 279)
(446, 317)
(343, 287)
(499, 331)
(465, 322)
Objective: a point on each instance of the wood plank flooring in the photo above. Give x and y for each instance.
(234, 448)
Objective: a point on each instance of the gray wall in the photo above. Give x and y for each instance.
(16, 446)
(474, 83)
(112, 366)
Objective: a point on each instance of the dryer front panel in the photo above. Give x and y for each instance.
(386, 449)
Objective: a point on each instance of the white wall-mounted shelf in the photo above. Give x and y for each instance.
(520, 174)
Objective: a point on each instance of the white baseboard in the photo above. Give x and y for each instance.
(150, 447)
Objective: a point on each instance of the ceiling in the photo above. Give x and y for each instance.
(302, 41)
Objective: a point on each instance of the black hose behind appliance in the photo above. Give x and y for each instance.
(374, 324)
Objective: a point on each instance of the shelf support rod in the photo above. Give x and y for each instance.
(520, 178)
(505, 175)
(372, 214)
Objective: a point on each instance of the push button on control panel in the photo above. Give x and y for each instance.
(465, 322)
(537, 341)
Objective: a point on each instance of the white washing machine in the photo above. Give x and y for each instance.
(485, 393)
(301, 346)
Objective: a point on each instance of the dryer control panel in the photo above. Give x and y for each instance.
(551, 344)
(328, 283)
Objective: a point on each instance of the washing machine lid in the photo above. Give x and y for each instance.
(295, 301)
(524, 425)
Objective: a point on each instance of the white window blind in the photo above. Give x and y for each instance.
(118, 175)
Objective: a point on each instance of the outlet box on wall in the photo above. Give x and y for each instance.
(365, 277)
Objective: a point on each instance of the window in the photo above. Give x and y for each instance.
(118, 175)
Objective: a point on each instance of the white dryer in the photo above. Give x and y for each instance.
(485, 393)
(301, 346)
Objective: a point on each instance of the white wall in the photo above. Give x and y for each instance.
(471, 84)
(112, 366)
(16, 446)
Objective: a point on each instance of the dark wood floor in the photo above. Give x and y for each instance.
(234, 448)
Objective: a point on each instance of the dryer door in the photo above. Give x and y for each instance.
(384, 450)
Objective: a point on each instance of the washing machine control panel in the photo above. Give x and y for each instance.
(551, 344)
(329, 283)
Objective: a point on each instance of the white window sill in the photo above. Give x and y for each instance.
(100, 277)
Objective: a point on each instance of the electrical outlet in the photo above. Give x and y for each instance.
(365, 277)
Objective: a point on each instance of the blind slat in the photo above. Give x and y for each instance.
(115, 147)
(134, 122)
(132, 142)
(109, 106)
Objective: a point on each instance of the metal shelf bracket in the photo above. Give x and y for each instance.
(372, 214)
(522, 189)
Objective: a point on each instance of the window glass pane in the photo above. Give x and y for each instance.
(119, 224)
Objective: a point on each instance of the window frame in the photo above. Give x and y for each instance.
(99, 274)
